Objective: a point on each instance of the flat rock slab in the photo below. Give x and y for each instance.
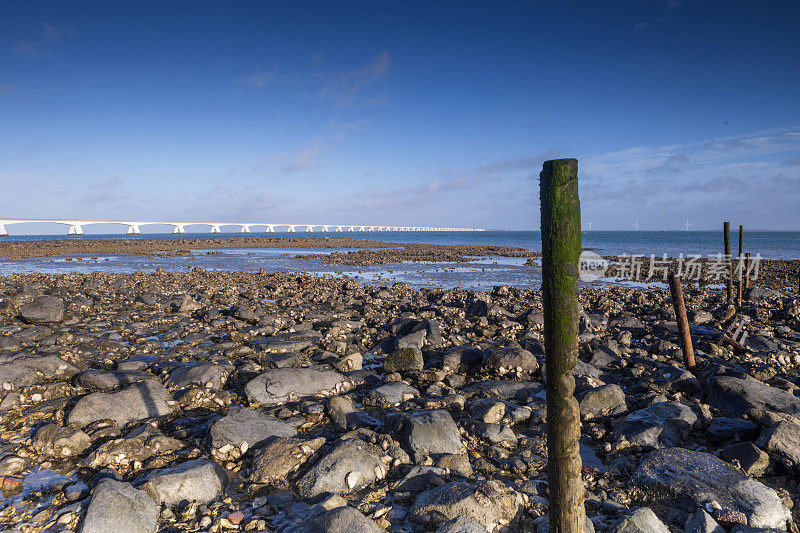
(200, 480)
(782, 440)
(26, 371)
(520, 391)
(642, 520)
(736, 397)
(111, 379)
(136, 402)
(351, 466)
(342, 520)
(391, 394)
(490, 504)
(52, 440)
(281, 385)
(279, 457)
(247, 427)
(660, 425)
(207, 375)
(682, 479)
(43, 310)
(117, 506)
(431, 432)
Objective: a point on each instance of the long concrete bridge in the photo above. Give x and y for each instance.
(134, 227)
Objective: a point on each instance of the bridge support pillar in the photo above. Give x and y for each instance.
(179, 229)
(270, 229)
(133, 229)
(215, 229)
(245, 229)
(324, 229)
(75, 229)
(290, 229)
(338, 229)
(309, 229)
(3, 232)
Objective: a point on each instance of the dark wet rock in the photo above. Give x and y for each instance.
(604, 401)
(135, 402)
(199, 480)
(280, 385)
(351, 466)
(138, 446)
(677, 379)
(660, 425)
(701, 522)
(762, 293)
(543, 525)
(762, 343)
(245, 428)
(461, 358)
(43, 310)
(117, 506)
(428, 433)
(461, 524)
(490, 504)
(346, 416)
(722, 429)
(412, 341)
(280, 457)
(207, 375)
(487, 410)
(286, 342)
(406, 326)
(493, 433)
(684, 480)
(520, 391)
(111, 379)
(736, 397)
(52, 440)
(185, 304)
(510, 360)
(343, 519)
(419, 478)
(753, 461)
(391, 394)
(642, 520)
(782, 441)
(26, 371)
(403, 360)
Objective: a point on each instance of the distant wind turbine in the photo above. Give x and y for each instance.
(590, 226)
(636, 224)
(687, 225)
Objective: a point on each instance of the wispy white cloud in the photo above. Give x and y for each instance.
(257, 79)
(345, 87)
(49, 37)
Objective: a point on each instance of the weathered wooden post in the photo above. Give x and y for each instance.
(683, 322)
(726, 231)
(740, 266)
(561, 250)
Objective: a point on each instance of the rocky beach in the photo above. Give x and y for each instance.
(253, 401)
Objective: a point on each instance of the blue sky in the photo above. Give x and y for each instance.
(408, 113)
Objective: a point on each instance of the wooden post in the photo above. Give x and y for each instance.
(740, 266)
(683, 322)
(561, 250)
(726, 231)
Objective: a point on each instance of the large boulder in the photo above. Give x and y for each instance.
(351, 466)
(139, 401)
(604, 401)
(343, 519)
(199, 480)
(642, 520)
(737, 397)
(117, 506)
(43, 310)
(490, 503)
(281, 385)
(428, 433)
(56, 441)
(245, 428)
(511, 359)
(680, 479)
(660, 425)
(280, 457)
(207, 375)
(782, 440)
(22, 372)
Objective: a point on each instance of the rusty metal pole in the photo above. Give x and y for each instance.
(726, 232)
(740, 266)
(561, 250)
(683, 322)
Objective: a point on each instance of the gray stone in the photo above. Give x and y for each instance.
(391, 394)
(642, 520)
(490, 504)
(461, 524)
(604, 401)
(753, 461)
(659, 425)
(677, 379)
(43, 310)
(701, 522)
(207, 375)
(782, 440)
(412, 341)
(737, 397)
(419, 478)
(280, 457)
(52, 440)
(136, 402)
(543, 525)
(343, 519)
(245, 428)
(684, 480)
(404, 360)
(488, 410)
(762, 293)
(724, 428)
(511, 359)
(520, 391)
(26, 371)
(281, 385)
(351, 466)
(345, 416)
(111, 379)
(199, 480)
(428, 433)
(459, 358)
(117, 506)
